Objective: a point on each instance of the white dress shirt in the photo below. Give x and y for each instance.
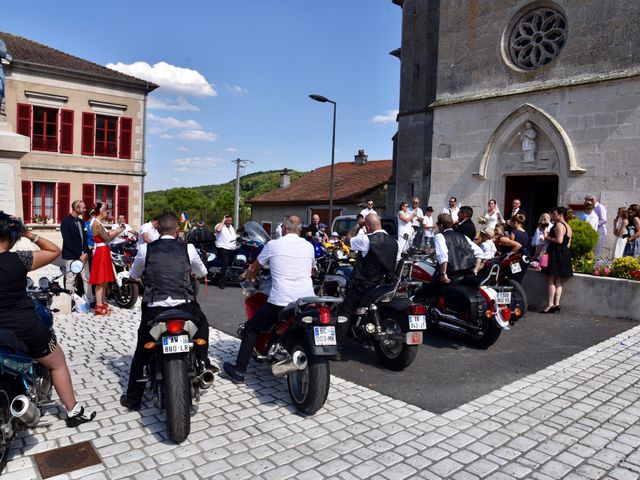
(366, 211)
(452, 211)
(361, 243)
(123, 236)
(226, 238)
(428, 221)
(601, 211)
(197, 268)
(442, 252)
(416, 220)
(291, 260)
(151, 232)
(591, 219)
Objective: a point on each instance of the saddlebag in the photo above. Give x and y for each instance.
(466, 303)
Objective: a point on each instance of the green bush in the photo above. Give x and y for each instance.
(583, 240)
(584, 264)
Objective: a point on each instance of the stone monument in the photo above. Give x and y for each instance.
(529, 143)
(12, 148)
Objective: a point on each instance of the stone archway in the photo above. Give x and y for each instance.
(503, 155)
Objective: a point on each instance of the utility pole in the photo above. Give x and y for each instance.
(236, 214)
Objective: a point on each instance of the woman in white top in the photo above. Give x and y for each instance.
(492, 215)
(619, 229)
(404, 225)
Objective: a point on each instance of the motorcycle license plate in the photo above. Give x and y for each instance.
(516, 268)
(503, 298)
(177, 344)
(324, 335)
(417, 322)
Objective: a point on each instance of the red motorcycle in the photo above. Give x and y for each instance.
(481, 307)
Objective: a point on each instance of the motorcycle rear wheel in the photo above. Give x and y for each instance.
(395, 356)
(309, 388)
(177, 396)
(491, 334)
(6, 396)
(125, 296)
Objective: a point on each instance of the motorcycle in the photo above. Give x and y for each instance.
(175, 375)
(298, 346)
(334, 260)
(124, 294)
(25, 384)
(480, 308)
(251, 244)
(387, 319)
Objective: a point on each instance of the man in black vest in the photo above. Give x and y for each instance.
(167, 264)
(74, 247)
(377, 254)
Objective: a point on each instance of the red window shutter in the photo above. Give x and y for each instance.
(123, 201)
(66, 131)
(88, 197)
(88, 133)
(26, 201)
(24, 119)
(64, 206)
(125, 137)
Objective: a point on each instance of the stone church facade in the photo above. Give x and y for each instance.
(538, 100)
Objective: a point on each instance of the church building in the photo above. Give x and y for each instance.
(536, 100)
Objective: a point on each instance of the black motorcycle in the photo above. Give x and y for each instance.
(124, 294)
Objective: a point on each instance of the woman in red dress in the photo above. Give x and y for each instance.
(101, 267)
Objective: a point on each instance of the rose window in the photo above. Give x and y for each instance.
(537, 38)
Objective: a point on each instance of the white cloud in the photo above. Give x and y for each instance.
(268, 152)
(167, 104)
(182, 148)
(231, 150)
(388, 117)
(237, 89)
(200, 164)
(181, 80)
(186, 129)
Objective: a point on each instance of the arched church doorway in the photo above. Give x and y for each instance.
(538, 194)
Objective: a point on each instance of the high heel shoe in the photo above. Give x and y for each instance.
(555, 309)
(548, 309)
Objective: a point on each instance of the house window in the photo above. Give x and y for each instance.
(45, 129)
(43, 202)
(106, 136)
(117, 197)
(105, 194)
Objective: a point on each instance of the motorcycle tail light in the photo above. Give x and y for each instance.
(506, 314)
(325, 315)
(175, 326)
(417, 309)
(488, 314)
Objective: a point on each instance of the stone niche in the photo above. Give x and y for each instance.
(12, 148)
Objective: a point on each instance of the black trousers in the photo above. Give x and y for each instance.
(349, 305)
(260, 322)
(141, 356)
(225, 256)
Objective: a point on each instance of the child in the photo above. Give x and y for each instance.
(321, 234)
(488, 246)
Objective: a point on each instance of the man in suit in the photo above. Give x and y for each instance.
(465, 224)
(74, 247)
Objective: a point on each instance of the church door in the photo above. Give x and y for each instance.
(538, 194)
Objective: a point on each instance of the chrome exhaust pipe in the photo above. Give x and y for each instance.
(25, 410)
(290, 364)
(206, 378)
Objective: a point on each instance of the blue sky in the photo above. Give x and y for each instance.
(235, 76)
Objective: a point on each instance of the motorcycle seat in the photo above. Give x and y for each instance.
(373, 294)
(9, 340)
(286, 312)
(174, 313)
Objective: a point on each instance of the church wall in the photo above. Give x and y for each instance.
(602, 122)
(602, 41)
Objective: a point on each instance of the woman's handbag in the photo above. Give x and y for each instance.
(544, 260)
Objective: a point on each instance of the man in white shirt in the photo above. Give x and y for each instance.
(149, 232)
(366, 211)
(601, 212)
(415, 207)
(452, 210)
(225, 245)
(168, 265)
(291, 260)
(126, 233)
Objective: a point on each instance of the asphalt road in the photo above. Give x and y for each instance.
(447, 372)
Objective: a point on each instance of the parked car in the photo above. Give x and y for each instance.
(343, 223)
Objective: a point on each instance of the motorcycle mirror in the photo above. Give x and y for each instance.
(29, 282)
(77, 266)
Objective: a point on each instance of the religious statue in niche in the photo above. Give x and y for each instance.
(529, 143)
(3, 55)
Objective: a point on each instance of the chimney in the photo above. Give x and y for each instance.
(360, 158)
(285, 179)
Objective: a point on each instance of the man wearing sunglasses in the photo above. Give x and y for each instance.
(366, 211)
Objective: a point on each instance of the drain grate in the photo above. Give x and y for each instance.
(66, 459)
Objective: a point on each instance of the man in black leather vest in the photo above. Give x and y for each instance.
(377, 254)
(167, 264)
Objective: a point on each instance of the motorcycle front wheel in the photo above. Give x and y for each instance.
(392, 354)
(309, 388)
(125, 296)
(6, 396)
(177, 396)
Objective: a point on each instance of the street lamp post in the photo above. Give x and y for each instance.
(320, 98)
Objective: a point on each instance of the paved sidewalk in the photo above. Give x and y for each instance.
(575, 419)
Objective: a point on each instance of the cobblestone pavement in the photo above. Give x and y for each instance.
(575, 419)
